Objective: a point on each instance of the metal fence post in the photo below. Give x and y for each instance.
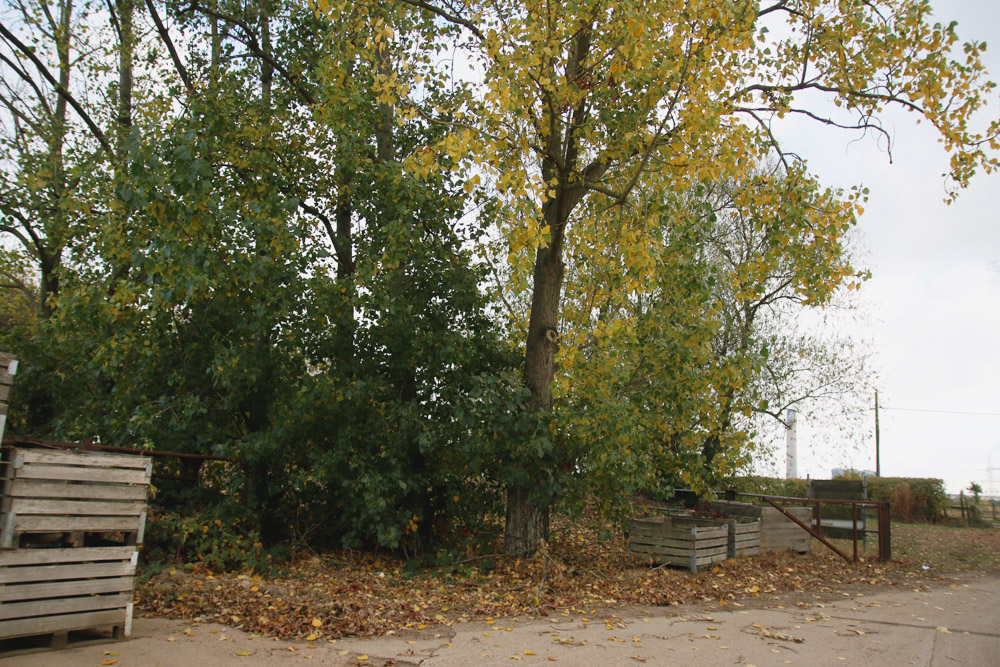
(884, 533)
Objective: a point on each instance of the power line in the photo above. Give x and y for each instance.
(942, 412)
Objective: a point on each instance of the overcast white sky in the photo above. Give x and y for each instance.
(934, 296)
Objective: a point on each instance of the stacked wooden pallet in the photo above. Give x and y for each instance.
(744, 537)
(681, 541)
(8, 366)
(70, 523)
(777, 531)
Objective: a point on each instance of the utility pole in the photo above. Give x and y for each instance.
(878, 460)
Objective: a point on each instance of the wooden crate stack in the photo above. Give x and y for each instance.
(744, 537)
(8, 366)
(777, 531)
(70, 526)
(681, 541)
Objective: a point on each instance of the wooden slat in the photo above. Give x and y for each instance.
(13, 575)
(4, 392)
(63, 606)
(23, 506)
(70, 555)
(82, 474)
(679, 544)
(35, 523)
(680, 534)
(54, 589)
(671, 527)
(97, 460)
(45, 624)
(34, 488)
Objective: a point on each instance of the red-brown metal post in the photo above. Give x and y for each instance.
(884, 533)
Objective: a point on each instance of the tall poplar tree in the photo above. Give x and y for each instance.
(585, 100)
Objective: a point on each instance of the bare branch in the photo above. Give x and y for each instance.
(165, 36)
(65, 94)
(251, 43)
(16, 66)
(450, 18)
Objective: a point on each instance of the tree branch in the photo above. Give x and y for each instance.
(251, 43)
(62, 92)
(165, 36)
(450, 18)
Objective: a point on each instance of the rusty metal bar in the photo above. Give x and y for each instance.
(884, 526)
(831, 501)
(93, 447)
(806, 528)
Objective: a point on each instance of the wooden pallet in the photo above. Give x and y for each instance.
(58, 590)
(64, 492)
(684, 542)
(53, 499)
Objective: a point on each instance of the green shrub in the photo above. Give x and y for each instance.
(221, 538)
(912, 499)
(768, 486)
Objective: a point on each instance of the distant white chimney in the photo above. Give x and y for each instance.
(792, 455)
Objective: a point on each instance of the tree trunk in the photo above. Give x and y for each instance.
(126, 12)
(266, 69)
(528, 517)
(527, 523)
(50, 252)
(216, 41)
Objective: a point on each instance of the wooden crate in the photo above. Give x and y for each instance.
(777, 532)
(681, 541)
(744, 537)
(70, 523)
(8, 366)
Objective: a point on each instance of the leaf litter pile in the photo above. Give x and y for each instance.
(352, 593)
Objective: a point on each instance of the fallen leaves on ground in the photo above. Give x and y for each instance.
(361, 594)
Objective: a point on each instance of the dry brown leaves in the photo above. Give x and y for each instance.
(352, 593)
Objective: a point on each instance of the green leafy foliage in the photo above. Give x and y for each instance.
(219, 538)
(912, 499)
(392, 293)
(769, 486)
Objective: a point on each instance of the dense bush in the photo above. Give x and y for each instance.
(911, 498)
(220, 538)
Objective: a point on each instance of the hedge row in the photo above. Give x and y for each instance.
(921, 499)
(768, 486)
(911, 498)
